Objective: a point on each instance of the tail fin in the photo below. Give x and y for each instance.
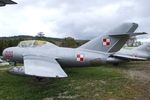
(113, 40)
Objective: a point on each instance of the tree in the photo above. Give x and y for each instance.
(69, 42)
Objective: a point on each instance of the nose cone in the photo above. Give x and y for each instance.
(13, 54)
(8, 53)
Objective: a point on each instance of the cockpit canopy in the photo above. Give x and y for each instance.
(32, 43)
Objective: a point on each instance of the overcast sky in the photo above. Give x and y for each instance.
(81, 19)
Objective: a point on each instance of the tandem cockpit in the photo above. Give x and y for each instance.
(32, 43)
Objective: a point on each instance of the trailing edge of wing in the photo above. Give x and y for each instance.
(42, 67)
(126, 57)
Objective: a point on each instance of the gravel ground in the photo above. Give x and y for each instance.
(139, 72)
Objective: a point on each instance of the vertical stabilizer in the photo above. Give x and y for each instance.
(113, 40)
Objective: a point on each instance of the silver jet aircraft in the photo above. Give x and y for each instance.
(141, 53)
(44, 59)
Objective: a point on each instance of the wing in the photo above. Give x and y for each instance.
(42, 66)
(128, 57)
(8, 2)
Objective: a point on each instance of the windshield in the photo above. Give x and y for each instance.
(31, 43)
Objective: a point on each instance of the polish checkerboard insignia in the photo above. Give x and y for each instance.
(80, 57)
(106, 41)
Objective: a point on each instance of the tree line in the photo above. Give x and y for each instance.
(6, 42)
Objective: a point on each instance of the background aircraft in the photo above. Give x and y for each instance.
(138, 53)
(44, 59)
(4, 2)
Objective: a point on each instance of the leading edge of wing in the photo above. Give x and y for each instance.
(42, 66)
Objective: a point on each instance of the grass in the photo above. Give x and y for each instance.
(89, 83)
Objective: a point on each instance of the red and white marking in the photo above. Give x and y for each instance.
(106, 41)
(8, 54)
(80, 57)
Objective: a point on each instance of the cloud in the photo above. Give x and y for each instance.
(82, 19)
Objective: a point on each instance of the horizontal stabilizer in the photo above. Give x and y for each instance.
(131, 34)
(42, 67)
(138, 33)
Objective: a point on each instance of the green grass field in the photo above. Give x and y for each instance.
(88, 83)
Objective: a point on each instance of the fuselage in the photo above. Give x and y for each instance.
(65, 56)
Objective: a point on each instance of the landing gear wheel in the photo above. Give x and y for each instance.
(115, 64)
(39, 79)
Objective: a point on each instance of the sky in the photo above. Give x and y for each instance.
(80, 19)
